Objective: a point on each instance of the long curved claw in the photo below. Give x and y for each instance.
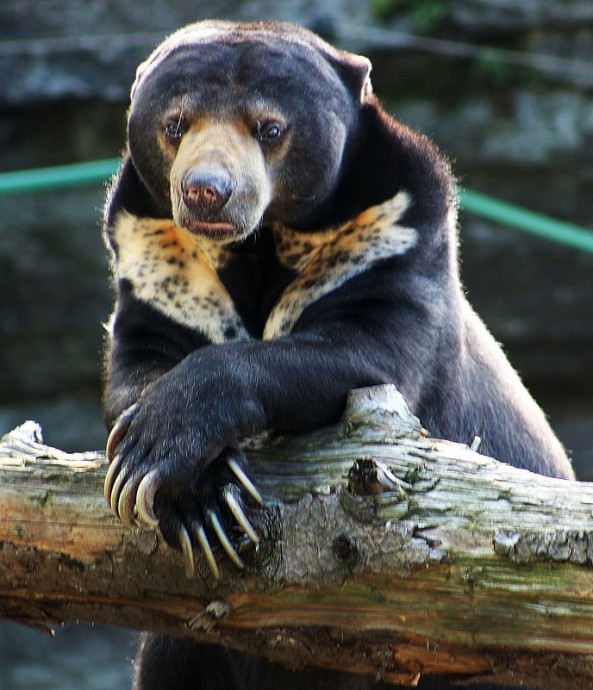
(110, 477)
(119, 430)
(118, 486)
(224, 540)
(244, 479)
(240, 516)
(188, 553)
(145, 499)
(207, 550)
(126, 503)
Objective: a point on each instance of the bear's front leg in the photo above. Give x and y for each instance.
(174, 454)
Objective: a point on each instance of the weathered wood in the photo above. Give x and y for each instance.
(453, 562)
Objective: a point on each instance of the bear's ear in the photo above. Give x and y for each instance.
(355, 71)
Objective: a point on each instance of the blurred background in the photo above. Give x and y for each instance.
(505, 88)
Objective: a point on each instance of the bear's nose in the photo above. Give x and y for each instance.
(203, 189)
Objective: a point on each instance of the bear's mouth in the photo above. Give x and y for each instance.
(200, 227)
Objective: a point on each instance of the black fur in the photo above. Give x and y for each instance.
(403, 319)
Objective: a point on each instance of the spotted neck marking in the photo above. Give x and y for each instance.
(326, 260)
(176, 273)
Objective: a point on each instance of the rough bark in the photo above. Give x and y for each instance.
(384, 551)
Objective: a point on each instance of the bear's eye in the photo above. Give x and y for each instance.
(269, 132)
(175, 128)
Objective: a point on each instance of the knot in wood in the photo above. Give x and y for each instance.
(345, 549)
(209, 616)
(369, 477)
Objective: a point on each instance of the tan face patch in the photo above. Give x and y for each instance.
(223, 148)
(175, 272)
(326, 260)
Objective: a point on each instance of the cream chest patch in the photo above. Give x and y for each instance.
(326, 260)
(175, 272)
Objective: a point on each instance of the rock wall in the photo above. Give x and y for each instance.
(522, 134)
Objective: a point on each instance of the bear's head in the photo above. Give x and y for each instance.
(232, 125)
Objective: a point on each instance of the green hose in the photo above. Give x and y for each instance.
(528, 221)
(58, 177)
(97, 172)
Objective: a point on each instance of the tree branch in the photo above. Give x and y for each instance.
(383, 551)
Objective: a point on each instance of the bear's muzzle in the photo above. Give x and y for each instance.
(202, 188)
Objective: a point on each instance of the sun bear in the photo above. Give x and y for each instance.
(278, 240)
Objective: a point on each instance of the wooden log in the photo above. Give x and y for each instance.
(384, 551)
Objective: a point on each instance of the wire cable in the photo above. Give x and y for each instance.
(573, 70)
